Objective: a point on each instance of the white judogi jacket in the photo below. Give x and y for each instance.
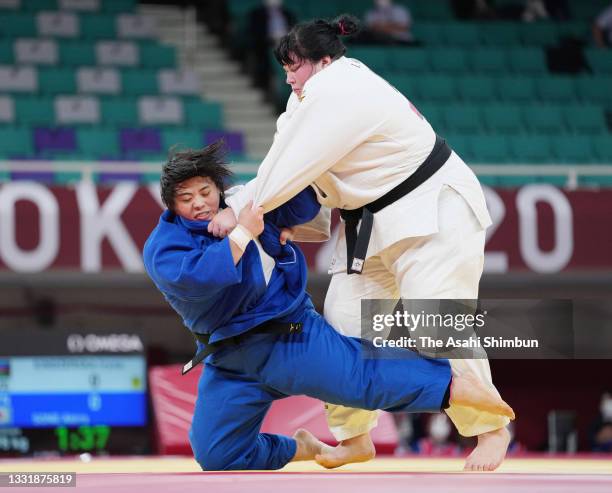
(354, 137)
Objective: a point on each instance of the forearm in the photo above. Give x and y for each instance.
(239, 239)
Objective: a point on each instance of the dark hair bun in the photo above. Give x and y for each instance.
(345, 25)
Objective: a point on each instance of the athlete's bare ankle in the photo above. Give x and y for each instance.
(361, 444)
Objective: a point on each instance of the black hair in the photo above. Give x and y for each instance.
(315, 39)
(209, 162)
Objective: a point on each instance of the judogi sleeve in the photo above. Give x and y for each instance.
(319, 229)
(325, 126)
(298, 210)
(310, 221)
(188, 272)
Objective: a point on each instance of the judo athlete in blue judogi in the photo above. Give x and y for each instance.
(245, 295)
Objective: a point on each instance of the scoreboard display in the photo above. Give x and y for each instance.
(71, 393)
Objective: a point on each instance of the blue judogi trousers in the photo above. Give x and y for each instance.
(241, 380)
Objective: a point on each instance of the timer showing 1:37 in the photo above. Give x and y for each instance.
(83, 438)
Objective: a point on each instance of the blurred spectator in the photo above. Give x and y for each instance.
(514, 447)
(601, 429)
(534, 10)
(411, 429)
(387, 23)
(437, 441)
(267, 24)
(602, 28)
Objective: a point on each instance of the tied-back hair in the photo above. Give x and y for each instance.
(315, 39)
(209, 162)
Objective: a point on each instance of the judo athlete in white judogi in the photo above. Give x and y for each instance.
(355, 138)
(244, 298)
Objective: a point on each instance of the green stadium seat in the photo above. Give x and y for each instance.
(153, 55)
(602, 145)
(461, 144)
(448, 60)
(503, 34)
(531, 149)
(539, 34)
(430, 34)
(30, 110)
(119, 6)
(503, 119)
(376, 58)
(327, 9)
(477, 89)
(489, 61)
(98, 142)
(56, 80)
(574, 29)
(462, 34)
(585, 119)
(6, 52)
(556, 180)
(490, 149)
(433, 10)
(67, 177)
(556, 89)
(544, 119)
(600, 61)
(527, 61)
(411, 60)
(573, 149)
(136, 82)
(516, 89)
(17, 24)
(515, 181)
(583, 181)
(204, 115)
(463, 119)
(434, 115)
(152, 157)
(119, 112)
(489, 181)
(406, 84)
(595, 90)
(15, 141)
(76, 53)
(98, 26)
(238, 8)
(181, 139)
(436, 88)
(38, 5)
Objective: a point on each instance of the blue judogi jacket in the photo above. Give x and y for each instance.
(196, 274)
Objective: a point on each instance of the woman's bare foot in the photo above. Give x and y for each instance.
(308, 446)
(467, 390)
(490, 451)
(356, 449)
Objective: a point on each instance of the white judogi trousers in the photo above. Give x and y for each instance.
(444, 265)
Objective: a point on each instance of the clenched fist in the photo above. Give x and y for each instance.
(252, 219)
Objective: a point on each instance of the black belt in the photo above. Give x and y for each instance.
(270, 327)
(357, 244)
